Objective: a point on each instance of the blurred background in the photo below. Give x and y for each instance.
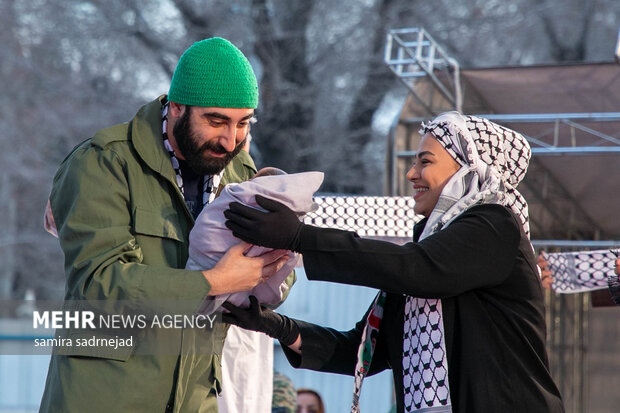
(328, 102)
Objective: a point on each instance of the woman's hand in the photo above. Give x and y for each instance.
(262, 319)
(546, 277)
(279, 227)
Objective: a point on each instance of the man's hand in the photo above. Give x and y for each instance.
(546, 277)
(279, 227)
(235, 272)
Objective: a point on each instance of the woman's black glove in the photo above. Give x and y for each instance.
(278, 228)
(259, 318)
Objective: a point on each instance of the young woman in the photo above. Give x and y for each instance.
(309, 401)
(460, 317)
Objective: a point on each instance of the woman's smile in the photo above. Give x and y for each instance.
(418, 191)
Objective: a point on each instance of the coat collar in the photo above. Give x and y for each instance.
(418, 228)
(147, 139)
(146, 136)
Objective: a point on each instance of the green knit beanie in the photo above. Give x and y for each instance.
(214, 73)
(284, 395)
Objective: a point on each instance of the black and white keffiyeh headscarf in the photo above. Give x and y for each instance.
(493, 161)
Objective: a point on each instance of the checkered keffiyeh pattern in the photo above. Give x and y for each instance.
(368, 216)
(425, 373)
(577, 272)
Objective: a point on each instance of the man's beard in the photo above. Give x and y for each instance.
(193, 152)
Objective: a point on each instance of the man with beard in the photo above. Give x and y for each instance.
(123, 203)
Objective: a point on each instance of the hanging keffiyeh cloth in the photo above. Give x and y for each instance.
(577, 272)
(493, 161)
(210, 182)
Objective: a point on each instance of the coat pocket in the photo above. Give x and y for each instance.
(147, 222)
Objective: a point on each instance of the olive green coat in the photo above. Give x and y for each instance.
(124, 227)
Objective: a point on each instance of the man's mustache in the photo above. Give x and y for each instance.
(213, 147)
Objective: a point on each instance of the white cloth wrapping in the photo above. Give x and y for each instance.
(210, 239)
(247, 372)
(247, 357)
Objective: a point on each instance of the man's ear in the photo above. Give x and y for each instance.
(177, 110)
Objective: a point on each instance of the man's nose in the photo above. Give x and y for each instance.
(229, 139)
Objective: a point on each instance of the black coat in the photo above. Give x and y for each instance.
(483, 269)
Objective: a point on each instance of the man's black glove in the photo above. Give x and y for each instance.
(259, 318)
(278, 228)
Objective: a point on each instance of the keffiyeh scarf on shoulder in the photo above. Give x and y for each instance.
(493, 161)
(210, 182)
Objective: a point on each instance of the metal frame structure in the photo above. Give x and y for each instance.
(574, 121)
(412, 54)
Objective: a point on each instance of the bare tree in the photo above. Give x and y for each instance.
(283, 134)
(73, 67)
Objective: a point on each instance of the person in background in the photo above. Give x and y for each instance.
(546, 276)
(309, 401)
(123, 203)
(460, 315)
(614, 281)
(284, 396)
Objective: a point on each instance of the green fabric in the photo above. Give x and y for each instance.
(214, 73)
(124, 227)
(284, 394)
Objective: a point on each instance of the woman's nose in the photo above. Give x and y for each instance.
(412, 174)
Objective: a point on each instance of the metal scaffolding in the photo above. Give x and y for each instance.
(412, 54)
(554, 142)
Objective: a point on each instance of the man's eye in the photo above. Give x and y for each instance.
(216, 123)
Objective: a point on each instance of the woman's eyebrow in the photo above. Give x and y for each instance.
(421, 154)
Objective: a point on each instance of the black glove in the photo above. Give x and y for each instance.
(259, 318)
(278, 228)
